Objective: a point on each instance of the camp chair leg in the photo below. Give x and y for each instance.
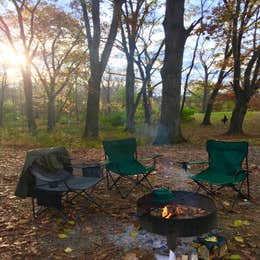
(136, 181)
(248, 189)
(149, 186)
(114, 181)
(208, 191)
(33, 208)
(107, 177)
(40, 211)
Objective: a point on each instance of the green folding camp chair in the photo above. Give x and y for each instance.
(225, 168)
(122, 163)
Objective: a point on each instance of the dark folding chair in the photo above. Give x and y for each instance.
(51, 188)
(122, 163)
(225, 168)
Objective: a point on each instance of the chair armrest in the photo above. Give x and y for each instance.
(238, 172)
(151, 158)
(105, 162)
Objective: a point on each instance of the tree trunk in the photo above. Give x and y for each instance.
(1, 107)
(51, 112)
(27, 84)
(205, 98)
(97, 63)
(92, 114)
(2, 96)
(76, 100)
(214, 93)
(209, 108)
(147, 104)
(108, 99)
(130, 82)
(169, 131)
(238, 116)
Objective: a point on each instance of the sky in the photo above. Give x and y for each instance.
(117, 61)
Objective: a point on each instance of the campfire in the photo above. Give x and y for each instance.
(178, 211)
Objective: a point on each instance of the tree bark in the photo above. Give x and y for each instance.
(92, 114)
(27, 84)
(147, 103)
(238, 116)
(97, 63)
(2, 97)
(169, 130)
(209, 107)
(244, 86)
(214, 93)
(130, 83)
(205, 98)
(51, 112)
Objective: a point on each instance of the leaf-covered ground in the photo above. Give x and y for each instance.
(89, 237)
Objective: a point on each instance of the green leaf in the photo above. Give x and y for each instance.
(238, 223)
(133, 234)
(235, 257)
(58, 220)
(239, 239)
(246, 223)
(62, 236)
(66, 230)
(71, 222)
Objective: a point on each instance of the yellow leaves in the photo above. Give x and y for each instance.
(67, 230)
(239, 239)
(23, 221)
(211, 239)
(68, 250)
(246, 223)
(62, 236)
(134, 234)
(235, 257)
(226, 203)
(71, 222)
(239, 223)
(9, 226)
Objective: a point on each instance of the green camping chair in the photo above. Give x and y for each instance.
(122, 163)
(225, 168)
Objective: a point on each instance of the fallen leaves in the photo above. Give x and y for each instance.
(239, 239)
(68, 250)
(22, 238)
(235, 257)
(134, 234)
(239, 223)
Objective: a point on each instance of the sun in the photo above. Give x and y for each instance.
(12, 60)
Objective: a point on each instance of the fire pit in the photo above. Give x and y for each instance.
(184, 214)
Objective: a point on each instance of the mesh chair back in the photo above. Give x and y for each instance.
(226, 157)
(120, 151)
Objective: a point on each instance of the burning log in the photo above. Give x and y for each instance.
(178, 211)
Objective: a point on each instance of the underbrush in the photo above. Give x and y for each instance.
(69, 131)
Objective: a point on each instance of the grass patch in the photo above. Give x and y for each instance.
(69, 132)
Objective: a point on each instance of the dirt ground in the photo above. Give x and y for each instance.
(89, 237)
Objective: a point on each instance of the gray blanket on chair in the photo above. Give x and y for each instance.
(51, 159)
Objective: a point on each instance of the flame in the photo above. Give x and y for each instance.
(167, 212)
(170, 211)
